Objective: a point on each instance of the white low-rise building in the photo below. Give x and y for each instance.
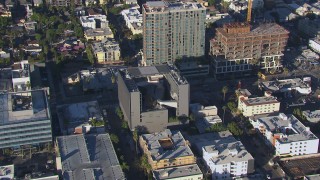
(133, 19)
(314, 44)
(286, 85)
(238, 6)
(258, 105)
(312, 116)
(93, 22)
(224, 155)
(200, 111)
(21, 76)
(286, 134)
(256, 4)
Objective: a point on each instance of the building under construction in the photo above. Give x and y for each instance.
(237, 47)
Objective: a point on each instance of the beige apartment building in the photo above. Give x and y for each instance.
(98, 34)
(172, 30)
(258, 105)
(107, 51)
(166, 149)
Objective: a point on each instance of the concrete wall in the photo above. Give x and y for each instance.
(154, 121)
(124, 97)
(183, 101)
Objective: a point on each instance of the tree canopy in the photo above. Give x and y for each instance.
(235, 129)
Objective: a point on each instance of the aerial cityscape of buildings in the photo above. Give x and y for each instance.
(163, 90)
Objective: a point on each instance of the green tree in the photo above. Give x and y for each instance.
(50, 35)
(192, 118)
(124, 125)
(145, 164)
(232, 106)
(4, 22)
(259, 74)
(124, 166)
(28, 84)
(113, 79)
(211, 2)
(135, 138)
(90, 55)
(235, 129)
(78, 31)
(218, 127)
(285, 71)
(38, 37)
(119, 112)
(224, 91)
(224, 112)
(114, 138)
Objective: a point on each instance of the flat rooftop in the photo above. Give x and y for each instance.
(264, 29)
(133, 73)
(89, 157)
(133, 14)
(288, 125)
(177, 172)
(96, 78)
(285, 84)
(243, 92)
(212, 119)
(158, 145)
(312, 116)
(299, 166)
(224, 147)
(260, 100)
(79, 113)
(98, 32)
(164, 6)
(106, 45)
(23, 106)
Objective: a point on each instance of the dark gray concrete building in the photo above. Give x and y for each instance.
(149, 95)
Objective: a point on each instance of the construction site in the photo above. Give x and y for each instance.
(301, 166)
(238, 47)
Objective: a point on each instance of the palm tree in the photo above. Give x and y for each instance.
(285, 71)
(145, 164)
(28, 85)
(135, 138)
(259, 74)
(224, 91)
(113, 79)
(224, 112)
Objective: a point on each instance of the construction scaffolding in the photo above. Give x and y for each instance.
(239, 44)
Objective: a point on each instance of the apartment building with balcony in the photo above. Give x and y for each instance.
(172, 30)
(257, 105)
(25, 119)
(224, 156)
(237, 47)
(133, 19)
(107, 51)
(286, 134)
(166, 149)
